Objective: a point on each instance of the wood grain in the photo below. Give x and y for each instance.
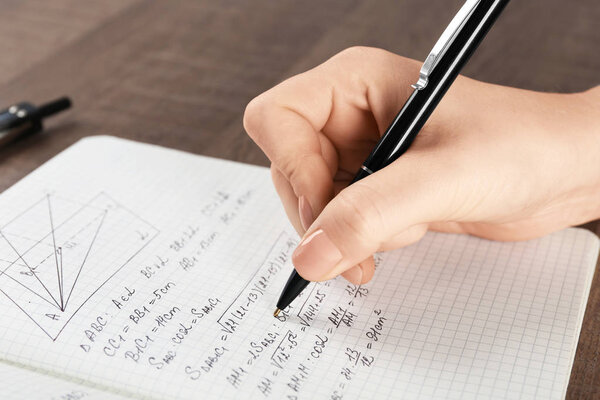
(32, 30)
(179, 73)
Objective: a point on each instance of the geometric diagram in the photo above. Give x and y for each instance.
(57, 253)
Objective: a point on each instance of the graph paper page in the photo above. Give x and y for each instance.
(19, 383)
(155, 273)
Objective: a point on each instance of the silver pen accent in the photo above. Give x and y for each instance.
(444, 42)
(367, 170)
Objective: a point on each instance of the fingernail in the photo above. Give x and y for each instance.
(306, 214)
(354, 274)
(315, 255)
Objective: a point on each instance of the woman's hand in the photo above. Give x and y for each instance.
(492, 161)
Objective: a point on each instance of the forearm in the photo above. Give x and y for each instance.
(546, 145)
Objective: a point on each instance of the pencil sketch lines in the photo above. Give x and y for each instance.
(57, 253)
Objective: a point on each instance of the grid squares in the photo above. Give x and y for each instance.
(466, 318)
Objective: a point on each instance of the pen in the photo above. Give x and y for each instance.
(441, 67)
(24, 118)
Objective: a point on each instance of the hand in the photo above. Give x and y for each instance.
(492, 161)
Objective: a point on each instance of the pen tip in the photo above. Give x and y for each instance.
(277, 311)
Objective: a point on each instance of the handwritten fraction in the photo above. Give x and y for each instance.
(57, 253)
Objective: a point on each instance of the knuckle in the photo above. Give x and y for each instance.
(291, 167)
(356, 52)
(253, 116)
(286, 166)
(358, 63)
(360, 214)
(276, 175)
(362, 54)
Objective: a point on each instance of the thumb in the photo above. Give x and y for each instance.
(385, 210)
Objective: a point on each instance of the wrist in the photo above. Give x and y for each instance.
(580, 132)
(590, 105)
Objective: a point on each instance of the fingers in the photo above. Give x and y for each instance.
(296, 148)
(390, 207)
(361, 273)
(319, 126)
(328, 118)
(298, 210)
(288, 198)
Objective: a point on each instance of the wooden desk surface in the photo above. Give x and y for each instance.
(179, 74)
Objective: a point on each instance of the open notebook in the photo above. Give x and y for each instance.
(132, 271)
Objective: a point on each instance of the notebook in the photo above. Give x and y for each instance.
(134, 271)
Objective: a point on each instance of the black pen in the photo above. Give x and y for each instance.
(24, 119)
(451, 52)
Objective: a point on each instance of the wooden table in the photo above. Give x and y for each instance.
(179, 73)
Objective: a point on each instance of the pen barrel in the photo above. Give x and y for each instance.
(53, 107)
(23, 119)
(420, 105)
(417, 109)
(293, 287)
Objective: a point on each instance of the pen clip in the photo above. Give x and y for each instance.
(444, 42)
